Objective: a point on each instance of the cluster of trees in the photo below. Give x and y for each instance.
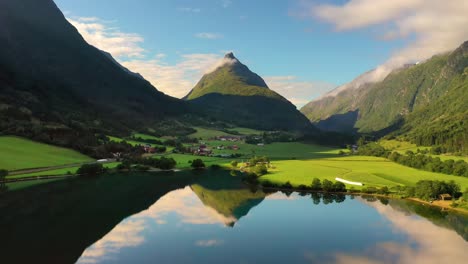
(316, 185)
(258, 166)
(430, 190)
(144, 164)
(418, 161)
(428, 163)
(91, 169)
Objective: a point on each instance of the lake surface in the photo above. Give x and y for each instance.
(214, 218)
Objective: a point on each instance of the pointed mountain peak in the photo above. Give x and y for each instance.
(230, 56)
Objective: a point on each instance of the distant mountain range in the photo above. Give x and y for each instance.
(426, 103)
(234, 93)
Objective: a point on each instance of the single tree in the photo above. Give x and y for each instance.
(316, 184)
(327, 186)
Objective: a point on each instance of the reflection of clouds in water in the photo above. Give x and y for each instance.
(126, 234)
(188, 207)
(209, 243)
(129, 233)
(427, 243)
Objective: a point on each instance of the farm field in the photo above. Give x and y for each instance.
(18, 153)
(371, 171)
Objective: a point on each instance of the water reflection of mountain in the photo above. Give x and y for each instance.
(233, 203)
(55, 222)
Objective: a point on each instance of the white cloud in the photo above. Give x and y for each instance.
(104, 36)
(429, 26)
(208, 35)
(297, 91)
(175, 80)
(209, 243)
(178, 78)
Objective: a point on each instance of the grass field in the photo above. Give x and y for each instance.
(206, 133)
(64, 171)
(183, 160)
(18, 153)
(371, 171)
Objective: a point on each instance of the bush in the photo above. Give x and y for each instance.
(198, 164)
(91, 169)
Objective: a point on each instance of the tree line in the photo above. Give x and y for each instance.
(417, 160)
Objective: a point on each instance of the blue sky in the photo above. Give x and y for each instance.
(300, 47)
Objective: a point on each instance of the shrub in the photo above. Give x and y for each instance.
(198, 164)
(91, 169)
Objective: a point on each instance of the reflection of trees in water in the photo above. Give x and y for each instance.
(384, 200)
(327, 198)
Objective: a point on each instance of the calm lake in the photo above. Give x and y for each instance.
(213, 218)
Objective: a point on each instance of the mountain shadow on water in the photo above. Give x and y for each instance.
(56, 222)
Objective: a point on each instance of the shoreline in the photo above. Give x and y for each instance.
(439, 204)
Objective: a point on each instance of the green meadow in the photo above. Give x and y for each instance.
(371, 171)
(18, 153)
(206, 133)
